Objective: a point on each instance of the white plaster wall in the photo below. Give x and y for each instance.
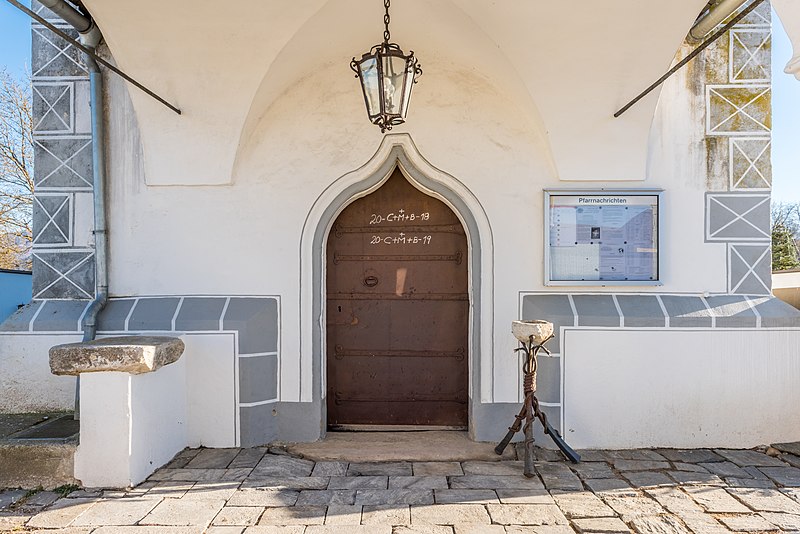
(789, 13)
(685, 388)
(26, 384)
(244, 238)
(211, 378)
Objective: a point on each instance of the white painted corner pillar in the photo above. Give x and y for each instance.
(133, 406)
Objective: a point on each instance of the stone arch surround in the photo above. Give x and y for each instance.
(396, 150)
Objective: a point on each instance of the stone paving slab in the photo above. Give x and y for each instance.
(744, 458)
(610, 525)
(213, 459)
(716, 500)
(450, 514)
(784, 521)
(532, 496)
(330, 469)
(785, 476)
(747, 523)
(341, 514)
(436, 468)
(659, 523)
(295, 515)
(182, 512)
(526, 514)
(291, 483)
(581, 504)
(495, 482)
(456, 496)
(267, 491)
(238, 515)
(115, 512)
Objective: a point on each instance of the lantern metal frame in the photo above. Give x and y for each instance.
(386, 53)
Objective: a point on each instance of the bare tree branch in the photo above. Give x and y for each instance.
(16, 172)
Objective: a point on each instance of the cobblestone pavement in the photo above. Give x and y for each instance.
(261, 491)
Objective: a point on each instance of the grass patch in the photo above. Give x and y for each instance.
(66, 489)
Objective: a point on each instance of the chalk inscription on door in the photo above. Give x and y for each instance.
(397, 311)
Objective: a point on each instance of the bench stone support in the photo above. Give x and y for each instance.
(131, 424)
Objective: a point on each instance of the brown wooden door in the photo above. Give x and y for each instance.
(397, 311)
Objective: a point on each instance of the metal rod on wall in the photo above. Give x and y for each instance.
(90, 52)
(719, 33)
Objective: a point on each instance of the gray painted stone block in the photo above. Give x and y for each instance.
(258, 378)
(257, 425)
(60, 316)
(776, 313)
(641, 311)
(548, 379)
(596, 310)
(750, 269)
(738, 217)
(53, 56)
(20, 320)
(687, 311)
(732, 311)
(200, 313)
(112, 318)
(53, 107)
(153, 314)
(63, 162)
(51, 219)
(301, 421)
(63, 274)
(257, 322)
(553, 308)
(45, 13)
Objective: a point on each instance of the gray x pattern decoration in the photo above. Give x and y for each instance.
(750, 163)
(737, 217)
(53, 103)
(738, 109)
(63, 274)
(63, 162)
(55, 57)
(52, 219)
(750, 269)
(749, 60)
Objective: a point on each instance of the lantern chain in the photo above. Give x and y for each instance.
(386, 20)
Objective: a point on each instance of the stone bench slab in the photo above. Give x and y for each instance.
(127, 354)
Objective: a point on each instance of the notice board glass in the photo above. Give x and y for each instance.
(602, 237)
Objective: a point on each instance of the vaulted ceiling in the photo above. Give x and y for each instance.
(572, 64)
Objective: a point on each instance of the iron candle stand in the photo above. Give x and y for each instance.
(532, 336)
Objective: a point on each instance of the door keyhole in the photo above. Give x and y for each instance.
(371, 281)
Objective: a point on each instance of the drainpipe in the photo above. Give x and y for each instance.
(718, 11)
(90, 37)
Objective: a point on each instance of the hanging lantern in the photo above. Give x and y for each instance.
(387, 76)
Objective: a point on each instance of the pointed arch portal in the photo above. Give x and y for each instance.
(398, 168)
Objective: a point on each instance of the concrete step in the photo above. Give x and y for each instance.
(37, 450)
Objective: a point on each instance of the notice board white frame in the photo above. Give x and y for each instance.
(658, 196)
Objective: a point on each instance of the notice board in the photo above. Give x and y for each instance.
(602, 237)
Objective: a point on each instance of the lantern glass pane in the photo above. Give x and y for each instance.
(408, 86)
(369, 82)
(394, 72)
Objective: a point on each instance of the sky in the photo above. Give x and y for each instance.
(15, 50)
